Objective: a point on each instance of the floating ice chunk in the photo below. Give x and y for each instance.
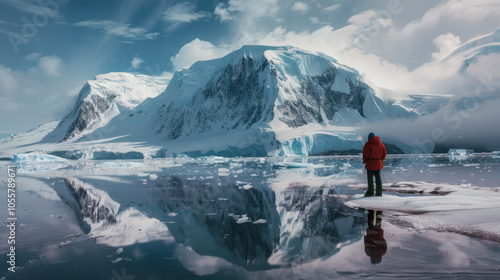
(291, 165)
(36, 162)
(345, 166)
(64, 244)
(173, 214)
(223, 172)
(247, 187)
(415, 187)
(459, 197)
(117, 260)
(260, 221)
(153, 177)
(243, 219)
(459, 154)
(212, 159)
(119, 250)
(119, 164)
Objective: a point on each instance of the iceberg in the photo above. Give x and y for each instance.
(462, 209)
(30, 162)
(455, 155)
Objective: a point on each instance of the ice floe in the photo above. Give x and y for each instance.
(459, 208)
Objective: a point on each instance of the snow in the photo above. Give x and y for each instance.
(104, 98)
(464, 209)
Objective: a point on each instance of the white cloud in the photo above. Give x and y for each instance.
(223, 13)
(136, 62)
(332, 8)
(246, 11)
(33, 56)
(51, 65)
(314, 20)
(8, 81)
(119, 29)
(300, 7)
(371, 17)
(197, 50)
(462, 12)
(413, 42)
(446, 44)
(184, 12)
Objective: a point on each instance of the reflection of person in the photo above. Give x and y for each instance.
(373, 155)
(375, 244)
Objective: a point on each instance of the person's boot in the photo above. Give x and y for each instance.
(368, 194)
(378, 194)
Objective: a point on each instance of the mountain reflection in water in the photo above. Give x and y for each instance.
(254, 228)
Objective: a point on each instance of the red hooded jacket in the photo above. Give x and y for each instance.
(373, 154)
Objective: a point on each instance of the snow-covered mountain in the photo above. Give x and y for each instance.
(255, 101)
(476, 48)
(102, 99)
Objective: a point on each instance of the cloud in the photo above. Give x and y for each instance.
(300, 7)
(224, 14)
(332, 8)
(32, 56)
(314, 20)
(51, 65)
(184, 12)
(123, 30)
(246, 12)
(136, 62)
(197, 50)
(8, 81)
(8, 105)
(29, 7)
(412, 44)
(446, 44)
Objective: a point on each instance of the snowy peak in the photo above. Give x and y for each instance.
(255, 85)
(102, 99)
(476, 48)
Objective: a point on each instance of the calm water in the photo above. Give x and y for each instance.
(217, 218)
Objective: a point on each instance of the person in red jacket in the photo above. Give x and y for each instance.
(373, 155)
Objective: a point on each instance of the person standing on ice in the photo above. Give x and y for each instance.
(373, 156)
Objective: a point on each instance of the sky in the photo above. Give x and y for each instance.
(50, 48)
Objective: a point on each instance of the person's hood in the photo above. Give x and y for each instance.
(375, 140)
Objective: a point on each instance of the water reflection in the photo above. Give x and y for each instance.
(222, 220)
(314, 225)
(255, 228)
(375, 244)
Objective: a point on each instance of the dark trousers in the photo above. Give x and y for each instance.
(378, 182)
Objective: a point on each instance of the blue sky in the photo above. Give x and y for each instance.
(50, 48)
